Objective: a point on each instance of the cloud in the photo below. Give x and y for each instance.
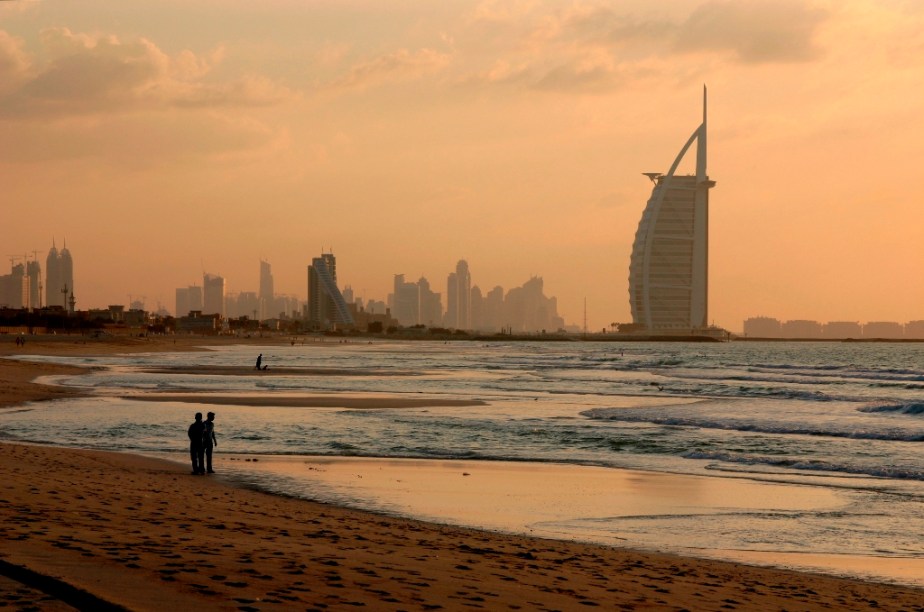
(396, 66)
(136, 140)
(753, 32)
(14, 62)
(596, 48)
(77, 74)
(588, 72)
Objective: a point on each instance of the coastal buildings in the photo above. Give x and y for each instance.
(415, 303)
(838, 330)
(804, 329)
(59, 277)
(528, 309)
(801, 328)
(668, 270)
(886, 330)
(326, 307)
(762, 327)
(459, 298)
(188, 299)
(14, 288)
(213, 294)
(267, 294)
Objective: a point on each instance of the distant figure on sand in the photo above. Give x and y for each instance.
(196, 451)
(259, 361)
(209, 440)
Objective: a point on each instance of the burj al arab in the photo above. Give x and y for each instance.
(669, 266)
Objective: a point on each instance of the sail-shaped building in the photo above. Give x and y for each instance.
(669, 267)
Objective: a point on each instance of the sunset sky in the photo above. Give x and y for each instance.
(161, 139)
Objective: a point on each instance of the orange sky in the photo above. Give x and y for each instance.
(164, 138)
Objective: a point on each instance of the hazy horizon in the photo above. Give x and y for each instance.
(164, 139)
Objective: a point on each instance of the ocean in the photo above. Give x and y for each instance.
(845, 419)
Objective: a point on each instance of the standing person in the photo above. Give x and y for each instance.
(196, 433)
(209, 440)
(259, 361)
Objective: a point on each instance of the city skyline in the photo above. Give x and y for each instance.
(510, 134)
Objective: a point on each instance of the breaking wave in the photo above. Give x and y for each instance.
(912, 408)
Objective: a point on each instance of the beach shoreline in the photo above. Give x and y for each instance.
(129, 530)
(143, 534)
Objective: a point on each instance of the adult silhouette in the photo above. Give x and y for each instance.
(196, 452)
(209, 440)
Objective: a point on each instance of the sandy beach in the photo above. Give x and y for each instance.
(94, 529)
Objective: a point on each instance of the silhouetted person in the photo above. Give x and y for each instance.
(259, 361)
(196, 452)
(209, 440)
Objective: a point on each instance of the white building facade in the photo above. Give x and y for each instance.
(669, 267)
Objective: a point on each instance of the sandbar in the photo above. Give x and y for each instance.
(250, 371)
(367, 401)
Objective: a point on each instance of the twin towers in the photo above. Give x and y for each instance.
(669, 266)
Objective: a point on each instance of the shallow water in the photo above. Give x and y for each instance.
(829, 417)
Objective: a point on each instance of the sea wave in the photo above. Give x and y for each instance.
(870, 432)
(882, 471)
(912, 408)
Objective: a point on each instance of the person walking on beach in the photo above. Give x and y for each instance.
(259, 361)
(209, 440)
(196, 432)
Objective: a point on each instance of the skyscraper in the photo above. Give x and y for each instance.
(182, 302)
(213, 294)
(267, 294)
(59, 276)
(326, 306)
(459, 297)
(405, 301)
(668, 270)
(34, 270)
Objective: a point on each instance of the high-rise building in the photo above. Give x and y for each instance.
(459, 297)
(53, 280)
(431, 306)
(405, 301)
(668, 270)
(492, 314)
(34, 270)
(182, 302)
(527, 309)
(416, 303)
(67, 271)
(213, 294)
(267, 294)
(14, 288)
(59, 277)
(326, 306)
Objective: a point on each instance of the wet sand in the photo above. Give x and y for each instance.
(252, 371)
(143, 534)
(366, 401)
